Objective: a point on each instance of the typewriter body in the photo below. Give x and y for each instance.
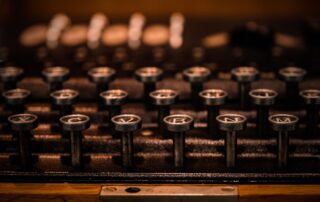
(160, 93)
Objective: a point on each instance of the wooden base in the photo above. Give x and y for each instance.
(58, 192)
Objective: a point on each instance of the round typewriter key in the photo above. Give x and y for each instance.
(178, 124)
(9, 76)
(292, 76)
(55, 76)
(163, 99)
(16, 98)
(196, 76)
(127, 124)
(231, 123)
(102, 76)
(149, 76)
(65, 98)
(283, 123)
(75, 124)
(22, 125)
(114, 99)
(213, 99)
(311, 99)
(263, 99)
(244, 76)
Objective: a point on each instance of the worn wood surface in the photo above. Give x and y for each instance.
(15, 192)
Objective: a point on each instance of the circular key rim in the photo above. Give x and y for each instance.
(126, 126)
(113, 101)
(213, 101)
(13, 100)
(283, 126)
(158, 100)
(189, 75)
(23, 126)
(6, 76)
(239, 76)
(65, 100)
(262, 100)
(232, 126)
(106, 74)
(142, 74)
(292, 77)
(51, 76)
(178, 127)
(75, 126)
(310, 99)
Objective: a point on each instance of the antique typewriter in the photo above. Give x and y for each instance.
(169, 100)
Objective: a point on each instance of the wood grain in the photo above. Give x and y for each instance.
(52, 192)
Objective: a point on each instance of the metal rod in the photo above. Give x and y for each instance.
(243, 89)
(283, 142)
(196, 87)
(262, 123)
(312, 120)
(231, 146)
(76, 148)
(127, 149)
(24, 148)
(292, 91)
(212, 123)
(163, 111)
(148, 88)
(179, 149)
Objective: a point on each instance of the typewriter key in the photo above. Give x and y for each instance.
(213, 99)
(283, 123)
(127, 124)
(244, 76)
(9, 76)
(101, 76)
(231, 123)
(149, 76)
(292, 76)
(16, 98)
(65, 98)
(178, 124)
(196, 76)
(75, 124)
(311, 99)
(55, 76)
(262, 98)
(163, 99)
(22, 125)
(114, 99)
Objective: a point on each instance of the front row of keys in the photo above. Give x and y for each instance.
(128, 124)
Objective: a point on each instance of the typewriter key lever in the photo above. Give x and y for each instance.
(75, 124)
(163, 99)
(196, 76)
(311, 99)
(283, 123)
(114, 99)
(65, 98)
(9, 76)
(127, 124)
(55, 76)
(22, 125)
(263, 99)
(213, 99)
(101, 76)
(149, 76)
(231, 124)
(16, 98)
(292, 76)
(178, 124)
(244, 76)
